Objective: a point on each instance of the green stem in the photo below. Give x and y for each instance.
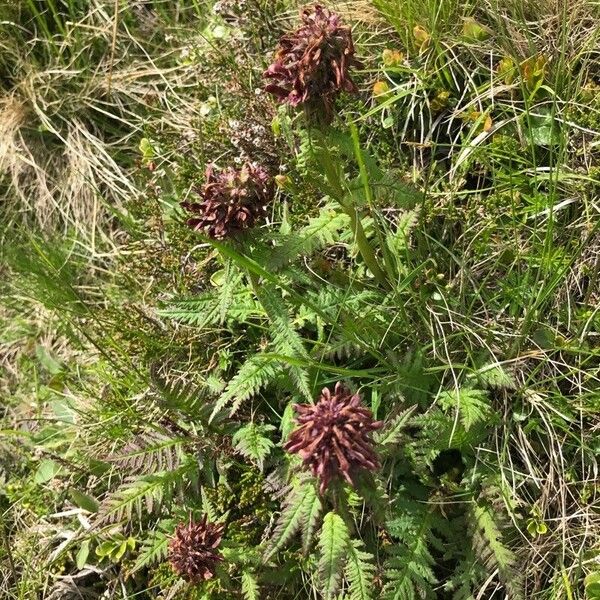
(364, 247)
(254, 282)
(339, 501)
(364, 178)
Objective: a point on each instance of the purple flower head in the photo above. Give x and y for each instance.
(193, 550)
(230, 200)
(312, 64)
(333, 436)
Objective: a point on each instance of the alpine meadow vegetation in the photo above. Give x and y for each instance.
(300, 301)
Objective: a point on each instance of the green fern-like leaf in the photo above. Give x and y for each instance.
(132, 496)
(467, 574)
(333, 544)
(309, 147)
(150, 451)
(190, 398)
(312, 507)
(231, 302)
(339, 308)
(231, 281)
(359, 572)
(408, 572)
(155, 547)
(472, 405)
(251, 442)
(491, 550)
(253, 375)
(293, 516)
(494, 375)
(338, 348)
(178, 395)
(208, 506)
(398, 240)
(323, 230)
(286, 340)
(337, 303)
(250, 589)
(147, 493)
(288, 420)
(391, 433)
(440, 431)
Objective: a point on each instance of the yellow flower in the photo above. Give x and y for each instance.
(422, 38)
(282, 180)
(392, 58)
(507, 70)
(381, 90)
(440, 100)
(484, 118)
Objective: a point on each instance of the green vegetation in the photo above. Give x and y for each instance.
(431, 239)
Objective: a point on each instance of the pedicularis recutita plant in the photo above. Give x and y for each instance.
(312, 67)
(300, 318)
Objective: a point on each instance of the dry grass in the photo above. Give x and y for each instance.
(63, 121)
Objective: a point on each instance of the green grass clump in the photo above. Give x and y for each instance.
(435, 248)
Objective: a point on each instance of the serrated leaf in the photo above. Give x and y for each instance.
(286, 340)
(230, 302)
(359, 572)
(287, 421)
(409, 571)
(155, 547)
(399, 239)
(495, 375)
(208, 506)
(320, 231)
(472, 405)
(312, 508)
(147, 493)
(250, 588)
(391, 433)
(492, 552)
(292, 517)
(253, 375)
(251, 442)
(333, 545)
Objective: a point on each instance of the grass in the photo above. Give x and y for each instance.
(477, 176)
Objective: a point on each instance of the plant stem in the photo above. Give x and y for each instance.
(364, 247)
(339, 504)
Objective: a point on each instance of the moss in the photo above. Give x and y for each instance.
(247, 503)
